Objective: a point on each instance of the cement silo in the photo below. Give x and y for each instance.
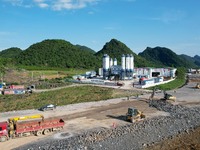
(115, 62)
(111, 62)
(106, 65)
(127, 65)
(131, 63)
(131, 66)
(123, 63)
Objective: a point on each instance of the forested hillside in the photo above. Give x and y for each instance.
(165, 57)
(115, 49)
(63, 54)
(56, 53)
(10, 52)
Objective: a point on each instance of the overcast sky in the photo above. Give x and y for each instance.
(174, 24)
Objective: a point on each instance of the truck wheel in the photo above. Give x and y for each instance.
(3, 139)
(46, 131)
(39, 132)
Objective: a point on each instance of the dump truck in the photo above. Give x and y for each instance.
(23, 126)
(134, 114)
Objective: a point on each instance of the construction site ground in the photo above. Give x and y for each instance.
(107, 114)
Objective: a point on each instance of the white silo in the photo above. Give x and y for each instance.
(123, 63)
(127, 65)
(115, 62)
(111, 62)
(127, 62)
(131, 63)
(106, 65)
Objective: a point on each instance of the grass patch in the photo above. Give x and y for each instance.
(70, 95)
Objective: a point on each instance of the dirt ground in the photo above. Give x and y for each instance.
(77, 121)
(109, 114)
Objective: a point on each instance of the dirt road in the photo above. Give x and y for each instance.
(81, 117)
(107, 114)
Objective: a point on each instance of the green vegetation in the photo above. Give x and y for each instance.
(62, 54)
(115, 49)
(177, 83)
(165, 57)
(70, 95)
(10, 52)
(56, 53)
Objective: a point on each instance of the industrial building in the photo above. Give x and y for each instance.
(126, 70)
(122, 72)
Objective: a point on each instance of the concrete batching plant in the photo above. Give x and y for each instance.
(125, 71)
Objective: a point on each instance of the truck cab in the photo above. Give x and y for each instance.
(3, 131)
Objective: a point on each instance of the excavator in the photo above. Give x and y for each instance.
(12, 121)
(166, 96)
(169, 96)
(134, 115)
(197, 86)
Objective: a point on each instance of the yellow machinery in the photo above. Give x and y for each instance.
(12, 121)
(134, 114)
(197, 86)
(169, 97)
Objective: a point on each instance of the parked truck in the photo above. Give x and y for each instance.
(22, 126)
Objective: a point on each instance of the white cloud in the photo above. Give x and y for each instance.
(43, 5)
(15, 2)
(54, 4)
(170, 16)
(72, 4)
(110, 28)
(4, 33)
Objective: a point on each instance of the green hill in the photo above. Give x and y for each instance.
(165, 57)
(63, 54)
(10, 52)
(56, 53)
(115, 49)
(197, 60)
(85, 48)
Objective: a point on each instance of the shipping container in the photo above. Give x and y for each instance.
(16, 86)
(19, 91)
(8, 91)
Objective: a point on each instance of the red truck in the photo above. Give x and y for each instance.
(13, 129)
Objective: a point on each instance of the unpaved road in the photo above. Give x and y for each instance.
(81, 117)
(108, 114)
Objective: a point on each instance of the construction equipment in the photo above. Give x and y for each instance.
(169, 97)
(197, 86)
(17, 127)
(12, 121)
(134, 114)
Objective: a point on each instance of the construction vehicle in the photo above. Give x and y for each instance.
(134, 114)
(169, 96)
(197, 86)
(120, 84)
(22, 126)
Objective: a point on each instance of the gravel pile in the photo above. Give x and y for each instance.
(133, 136)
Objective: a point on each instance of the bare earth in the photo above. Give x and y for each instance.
(108, 114)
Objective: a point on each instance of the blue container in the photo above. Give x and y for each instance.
(20, 91)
